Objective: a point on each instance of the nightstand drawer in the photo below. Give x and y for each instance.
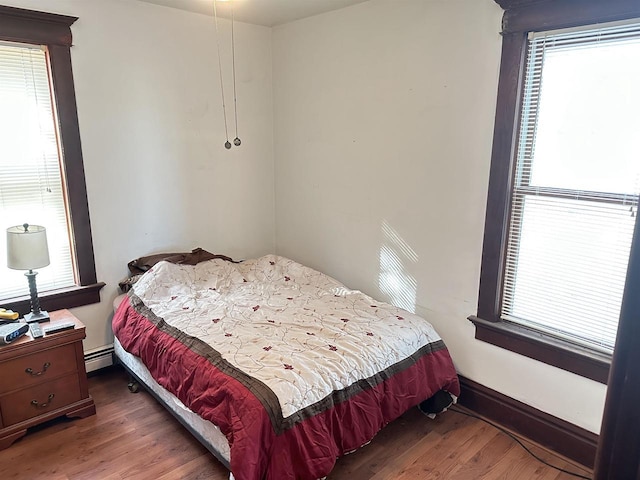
(32, 402)
(37, 368)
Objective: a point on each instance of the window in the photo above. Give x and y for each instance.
(576, 184)
(41, 171)
(31, 188)
(564, 183)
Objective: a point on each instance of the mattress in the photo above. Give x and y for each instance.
(209, 433)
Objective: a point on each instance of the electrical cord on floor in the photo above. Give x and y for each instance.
(517, 440)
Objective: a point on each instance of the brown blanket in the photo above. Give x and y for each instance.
(140, 265)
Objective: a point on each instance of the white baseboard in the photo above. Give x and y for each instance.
(98, 358)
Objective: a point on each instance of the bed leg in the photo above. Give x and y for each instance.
(133, 385)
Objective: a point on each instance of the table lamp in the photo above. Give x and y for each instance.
(27, 249)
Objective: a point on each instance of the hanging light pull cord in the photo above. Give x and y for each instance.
(236, 141)
(227, 144)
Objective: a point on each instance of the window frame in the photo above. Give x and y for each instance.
(520, 18)
(54, 31)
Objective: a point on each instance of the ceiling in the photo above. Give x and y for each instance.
(259, 12)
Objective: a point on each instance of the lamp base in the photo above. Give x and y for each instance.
(40, 317)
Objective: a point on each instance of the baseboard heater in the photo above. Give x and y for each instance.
(98, 358)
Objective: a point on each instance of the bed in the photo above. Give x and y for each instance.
(277, 368)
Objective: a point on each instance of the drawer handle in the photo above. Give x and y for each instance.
(43, 405)
(37, 374)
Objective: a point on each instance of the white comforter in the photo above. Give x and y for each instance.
(255, 311)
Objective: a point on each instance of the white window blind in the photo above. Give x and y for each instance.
(31, 189)
(576, 185)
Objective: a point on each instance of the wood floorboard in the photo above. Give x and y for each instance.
(133, 437)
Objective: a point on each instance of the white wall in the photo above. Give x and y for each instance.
(383, 129)
(149, 107)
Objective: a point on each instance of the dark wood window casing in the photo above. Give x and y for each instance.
(54, 31)
(521, 17)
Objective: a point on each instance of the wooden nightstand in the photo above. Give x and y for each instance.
(43, 379)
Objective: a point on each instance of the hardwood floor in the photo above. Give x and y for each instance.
(133, 437)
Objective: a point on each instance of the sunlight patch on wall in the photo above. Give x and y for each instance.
(394, 280)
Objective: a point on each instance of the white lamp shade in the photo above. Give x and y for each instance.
(27, 247)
